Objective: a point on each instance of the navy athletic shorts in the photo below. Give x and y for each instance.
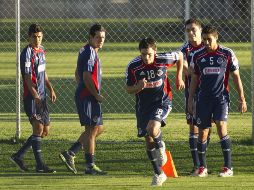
(190, 118)
(157, 113)
(89, 111)
(215, 109)
(34, 112)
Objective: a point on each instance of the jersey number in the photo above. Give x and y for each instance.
(150, 74)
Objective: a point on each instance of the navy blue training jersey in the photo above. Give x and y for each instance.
(213, 69)
(33, 62)
(157, 89)
(89, 61)
(188, 50)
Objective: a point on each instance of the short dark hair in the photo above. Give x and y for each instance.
(145, 43)
(96, 27)
(209, 29)
(193, 21)
(34, 28)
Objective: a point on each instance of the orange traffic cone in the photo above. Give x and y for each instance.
(169, 167)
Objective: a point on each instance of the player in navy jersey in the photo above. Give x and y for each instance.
(35, 81)
(193, 30)
(212, 66)
(146, 77)
(88, 100)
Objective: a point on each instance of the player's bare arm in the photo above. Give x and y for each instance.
(193, 87)
(50, 88)
(90, 86)
(179, 81)
(239, 88)
(185, 68)
(137, 87)
(32, 88)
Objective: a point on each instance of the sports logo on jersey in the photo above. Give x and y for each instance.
(198, 121)
(142, 73)
(221, 60)
(211, 70)
(28, 64)
(90, 62)
(95, 119)
(154, 84)
(203, 60)
(159, 72)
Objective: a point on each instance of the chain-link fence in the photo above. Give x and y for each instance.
(66, 25)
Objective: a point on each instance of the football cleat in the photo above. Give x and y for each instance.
(69, 161)
(162, 154)
(194, 172)
(202, 172)
(44, 169)
(19, 163)
(226, 172)
(158, 180)
(94, 170)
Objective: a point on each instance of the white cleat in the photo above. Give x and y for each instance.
(226, 172)
(158, 180)
(202, 172)
(162, 154)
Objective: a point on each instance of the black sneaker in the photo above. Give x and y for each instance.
(69, 161)
(44, 169)
(18, 162)
(94, 170)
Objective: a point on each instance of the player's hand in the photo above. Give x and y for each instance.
(52, 96)
(190, 105)
(180, 84)
(99, 98)
(38, 103)
(242, 106)
(141, 84)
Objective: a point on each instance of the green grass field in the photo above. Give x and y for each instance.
(119, 151)
(122, 154)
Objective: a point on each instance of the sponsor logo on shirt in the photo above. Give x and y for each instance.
(211, 70)
(154, 84)
(41, 68)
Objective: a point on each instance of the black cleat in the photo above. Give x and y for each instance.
(19, 163)
(94, 170)
(44, 169)
(69, 161)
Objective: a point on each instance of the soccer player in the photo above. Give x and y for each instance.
(88, 100)
(212, 66)
(35, 81)
(193, 30)
(147, 78)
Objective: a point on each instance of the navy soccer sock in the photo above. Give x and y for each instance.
(226, 149)
(208, 140)
(193, 140)
(157, 140)
(89, 159)
(75, 148)
(152, 155)
(202, 152)
(20, 154)
(36, 145)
